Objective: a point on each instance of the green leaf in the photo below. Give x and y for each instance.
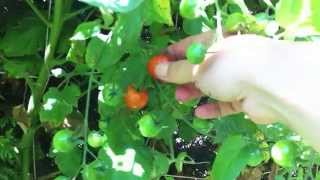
(130, 163)
(161, 164)
(115, 5)
(77, 51)
(162, 11)
(234, 124)
(24, 38)
(95, 50)
(58, 104)
(69, 163)
(231, 159)
(288, 12)
(180, 160)
(22, 67)
(86, 30)
(315, 14)
(104, 51)
(192, 26)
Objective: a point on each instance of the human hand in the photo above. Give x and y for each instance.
(270, 80)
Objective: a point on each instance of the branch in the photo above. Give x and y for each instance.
(38, 13)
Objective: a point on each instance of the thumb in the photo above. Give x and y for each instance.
(178, 72)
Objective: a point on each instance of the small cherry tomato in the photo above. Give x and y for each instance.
(155, 60)
(196, 53)
(255, 156)
(284, 153)
(135, 100)
(95, 139)
(148, 127)
(63, 141)
(190, 9)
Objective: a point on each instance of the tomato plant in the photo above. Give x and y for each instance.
(81, 71)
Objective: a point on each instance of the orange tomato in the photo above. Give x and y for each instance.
(135, 100)
(155, 60)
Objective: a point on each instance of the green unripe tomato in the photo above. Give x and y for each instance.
(284, 153)
(189, 9)
(95, 139)
(255, 156)
(112, 94)
(63, 141)
(196, 53)
(148, 127)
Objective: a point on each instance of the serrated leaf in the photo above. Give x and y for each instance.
(288, 12)
(234, 124)
(24, 38)
(131, 162)
(115, 5)
(58, 104)
(69, 163)
(231, 159)
(22, 67)
(86, 30)
(180, 160)
(161, 165)
(104, 52)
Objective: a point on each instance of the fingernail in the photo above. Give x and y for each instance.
(207, 111)
(162, 70)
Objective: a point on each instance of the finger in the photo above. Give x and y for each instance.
(178, 50)
(187, 92)
(214, 110)
(179, 72)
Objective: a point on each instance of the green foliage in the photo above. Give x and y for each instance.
(102, 47)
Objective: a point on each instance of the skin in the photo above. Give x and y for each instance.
(270, 80)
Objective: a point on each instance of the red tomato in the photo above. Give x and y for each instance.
(134, 99)
(155, 60)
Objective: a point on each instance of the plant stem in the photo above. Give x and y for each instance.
(41, 84)
(38, 13)
(85, 123)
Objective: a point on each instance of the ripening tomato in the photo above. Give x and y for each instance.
(63, 141)
(135, 100)
(196, 53)
(284, 153)
(95, 139)
(155, 60)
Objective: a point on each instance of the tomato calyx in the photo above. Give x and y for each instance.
(156, 60)
(134, 99)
